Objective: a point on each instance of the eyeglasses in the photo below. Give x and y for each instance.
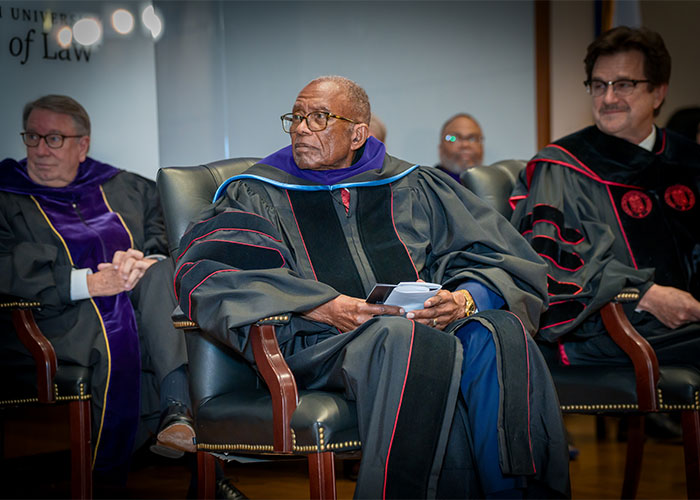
(471, 138)
(54, 141)
(622, 87)
(315, 120)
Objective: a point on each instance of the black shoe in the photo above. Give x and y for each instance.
(175, 432)
(225, 490)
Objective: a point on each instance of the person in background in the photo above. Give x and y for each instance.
(377, 128)
(614, 207)
(87, 241)
(461, 145)
(308, 231)
(686, 122)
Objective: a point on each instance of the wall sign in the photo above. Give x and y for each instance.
(39, 35)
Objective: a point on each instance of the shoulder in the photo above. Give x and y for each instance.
(574, 154)
(565, 149)
(131, 180)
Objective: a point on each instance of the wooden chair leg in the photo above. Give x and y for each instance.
(691, 446)
(206, 475)
(635, 450)
(322, 475)
(81, 461)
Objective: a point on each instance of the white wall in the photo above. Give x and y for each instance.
(572, 29)
(420, 62)
(116, 86)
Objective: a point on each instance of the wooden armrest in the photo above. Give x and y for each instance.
(646, 366)
(36, 343)
(274, 371)
(280, 381)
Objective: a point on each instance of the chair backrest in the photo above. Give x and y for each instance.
(494, 183)
(186, 191)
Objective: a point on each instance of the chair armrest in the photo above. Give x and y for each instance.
(35, 342)
(274, 371)
(646, 365)
(279, 379)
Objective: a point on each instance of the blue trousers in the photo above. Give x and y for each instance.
(481, 392)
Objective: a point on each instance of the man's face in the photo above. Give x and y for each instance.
(467, 150)
(54, 167)
(333, 147)
(629, 117)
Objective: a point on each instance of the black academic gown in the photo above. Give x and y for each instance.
(606, 215)
(275, 243)
(36, 265)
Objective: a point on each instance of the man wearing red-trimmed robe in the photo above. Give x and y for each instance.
(615, 206)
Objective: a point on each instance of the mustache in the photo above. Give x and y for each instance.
(613, 107)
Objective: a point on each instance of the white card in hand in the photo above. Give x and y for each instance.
(411, 294)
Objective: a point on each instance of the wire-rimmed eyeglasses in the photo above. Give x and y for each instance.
(315, 120)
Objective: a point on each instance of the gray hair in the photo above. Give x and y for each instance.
(60, 104)
(356, 95)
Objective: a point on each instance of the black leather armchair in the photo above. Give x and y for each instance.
(238, 410)
(48, 382)
(632, 391)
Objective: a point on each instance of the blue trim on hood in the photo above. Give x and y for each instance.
(314, 187)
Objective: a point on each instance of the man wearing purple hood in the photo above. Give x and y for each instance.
(87, 241)
(453, 397)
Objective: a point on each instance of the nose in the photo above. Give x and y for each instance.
(303, 127)
(43, 148)
(609, 95)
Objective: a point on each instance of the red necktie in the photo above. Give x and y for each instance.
(345, 194)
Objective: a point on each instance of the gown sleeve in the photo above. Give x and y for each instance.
(566, 218)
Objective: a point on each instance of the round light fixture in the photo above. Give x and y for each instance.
(122, 21)
(87, 31)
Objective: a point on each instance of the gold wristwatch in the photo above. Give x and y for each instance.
(469, 305)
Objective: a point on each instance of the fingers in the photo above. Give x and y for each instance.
(129, 266)
(439, 310)
(136, 270)
(382, 310)
(120, 256)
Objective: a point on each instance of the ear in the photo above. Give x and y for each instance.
(360, 134)
(660, 94)
(83, 147)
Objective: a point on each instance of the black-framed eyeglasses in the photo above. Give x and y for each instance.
(471, 138)
(622, 87)
(54, 141)
(315, 120)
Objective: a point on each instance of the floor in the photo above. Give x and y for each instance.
(595, 474)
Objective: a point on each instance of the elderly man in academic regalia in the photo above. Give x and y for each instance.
(453, 397)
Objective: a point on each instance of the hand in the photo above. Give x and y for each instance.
(105, 282)
(132, 265)
(440, 310)
(347, 313)
(671, 306)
